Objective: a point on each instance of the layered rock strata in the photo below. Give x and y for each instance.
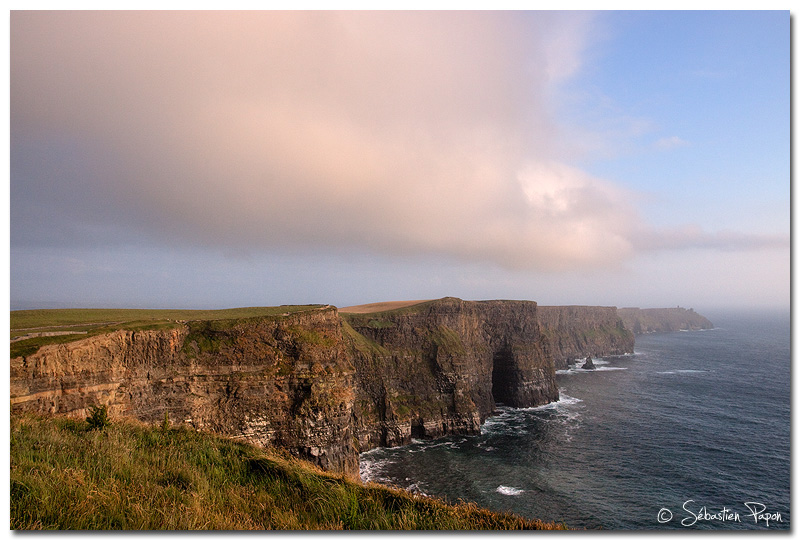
(325, 385)
(439, 367)
(574, 332)
(284, 381)
(647, 321)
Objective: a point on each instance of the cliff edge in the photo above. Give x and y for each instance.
(439, 367)
(327, 385)
(647, 321)
(574, 332)
(274, 381)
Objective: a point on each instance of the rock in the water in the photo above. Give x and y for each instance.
(575, 332)
(588, 364)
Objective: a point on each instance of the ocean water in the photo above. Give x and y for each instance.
(692, 431)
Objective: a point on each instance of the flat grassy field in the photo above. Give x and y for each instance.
(31, 329)
(57, 318)
(131, 476)
(381, 306)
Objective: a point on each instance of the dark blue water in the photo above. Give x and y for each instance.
(679, 435)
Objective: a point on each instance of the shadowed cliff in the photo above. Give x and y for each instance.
(574, 332)
(283, 380)
(438, 367)
(646, 321)
(321, 384)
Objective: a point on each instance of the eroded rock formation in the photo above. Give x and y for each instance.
(574, 332)
(285, 381)
(321, 384)
(646, 321)
(439, 367)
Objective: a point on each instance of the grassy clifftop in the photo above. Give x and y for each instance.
(31, 329)
(129, 476)
(646, 321)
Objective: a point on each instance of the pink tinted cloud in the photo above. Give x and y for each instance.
(402, 133)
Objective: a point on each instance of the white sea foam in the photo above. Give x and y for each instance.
(601, 364)
(579, 369)
(375, 450)
(563, 401)
(372, 471)
(505, 490)
(414, 488)
(511, 420)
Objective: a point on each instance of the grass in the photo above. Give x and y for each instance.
(49, 318)
(103, 321)
(377, 315)
(131, 476)
(361, 342)
(448, 340)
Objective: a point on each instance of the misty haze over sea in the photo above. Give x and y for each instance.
(679, 435)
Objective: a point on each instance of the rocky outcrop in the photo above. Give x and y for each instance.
(321, 384)
(439, 367)
(285, 381)
(588, 364)
(646, 321)
(574, 332)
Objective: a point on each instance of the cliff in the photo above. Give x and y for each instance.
(646, 321)
(574, 332)
(439, 367)
(285, 381)
(321, 384)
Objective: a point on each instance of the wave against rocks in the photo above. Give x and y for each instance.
(323, 384)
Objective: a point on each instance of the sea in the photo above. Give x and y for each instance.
(691, 431)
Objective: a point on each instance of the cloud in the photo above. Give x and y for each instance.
(397, 133)
(668, 143)
(693, 237)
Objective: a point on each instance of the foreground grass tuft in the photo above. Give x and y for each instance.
(129, 476)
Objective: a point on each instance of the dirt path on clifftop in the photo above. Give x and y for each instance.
(380, 306)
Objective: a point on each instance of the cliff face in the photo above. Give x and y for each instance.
(574, 332)
(646, 321)
(438, 367)
(325, 386)
(285, 381)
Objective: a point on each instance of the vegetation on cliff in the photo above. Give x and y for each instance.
(33, 328)
(646, 321)
(65, 475)
(322, 385)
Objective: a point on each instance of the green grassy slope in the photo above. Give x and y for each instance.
(37, 318)
(89, 322)
(129, 476)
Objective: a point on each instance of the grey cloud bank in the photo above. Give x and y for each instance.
(396, 134)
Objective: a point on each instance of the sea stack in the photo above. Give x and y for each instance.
(588, 364)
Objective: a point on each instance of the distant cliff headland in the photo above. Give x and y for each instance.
(323, 383)
(647, 321)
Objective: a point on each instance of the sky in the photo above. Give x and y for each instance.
(224, 159)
